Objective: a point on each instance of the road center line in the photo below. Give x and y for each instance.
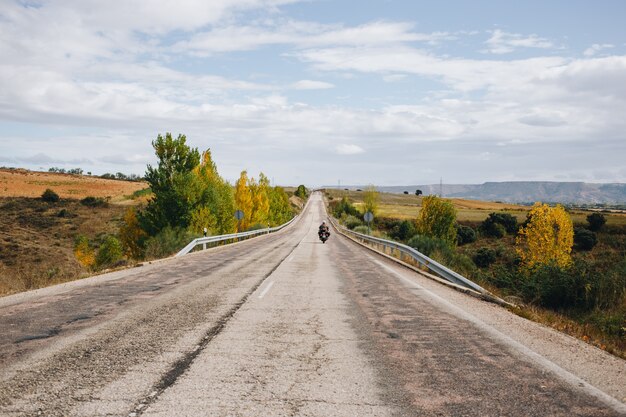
(266, 289)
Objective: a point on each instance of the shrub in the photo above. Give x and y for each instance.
(428, 245)
(584, 239)
(345, 206)
(484, 257)
(84, 252)
(498, 224)
(465, 234)
(167, 242)
(132, 236)
(550, 285)
(405, 231)
(94, 202)
(109, 253)
(362, 229)
(596, 221)
(50, 196)
(351, 222)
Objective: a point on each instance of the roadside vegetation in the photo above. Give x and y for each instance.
(61, 236)
(564, 268)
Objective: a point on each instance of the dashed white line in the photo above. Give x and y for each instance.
(266, 289)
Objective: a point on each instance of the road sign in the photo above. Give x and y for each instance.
(239, 214)
(368, 217)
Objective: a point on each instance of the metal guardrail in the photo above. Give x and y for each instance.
(404, 250)
(220, 238)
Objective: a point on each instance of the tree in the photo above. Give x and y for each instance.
(176, 191)
(547, 237)
(217, 202)
(370, 199)
(243, 199)
(418, 192)
(437, 219)
(84, 252)
(301, 192)
(596, 221)
(280, 209)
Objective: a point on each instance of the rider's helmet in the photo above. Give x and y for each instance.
(324, 222)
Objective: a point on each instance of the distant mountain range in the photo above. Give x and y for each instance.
(524, 191)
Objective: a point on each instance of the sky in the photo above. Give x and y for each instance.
(320, 92)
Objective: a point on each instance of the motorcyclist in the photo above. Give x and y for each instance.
(323, 229)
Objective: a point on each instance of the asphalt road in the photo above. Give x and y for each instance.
(283, 325)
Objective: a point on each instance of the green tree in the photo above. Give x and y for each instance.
(596, 221)
(301, 192)
(370, 199)
(280, 209)
(437, 219)
(260, 200)
(176, 189)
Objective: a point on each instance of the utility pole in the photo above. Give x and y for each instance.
(440, 187)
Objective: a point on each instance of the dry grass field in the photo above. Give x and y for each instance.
(37, 238)
(24, 183)
(401, 206)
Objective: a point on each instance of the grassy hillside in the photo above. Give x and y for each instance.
(37, 238)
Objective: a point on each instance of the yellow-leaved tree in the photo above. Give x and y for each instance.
(370, 199)
(132, 235)
(547, 237)
(84, 253)
(436, 219)
(243, 199)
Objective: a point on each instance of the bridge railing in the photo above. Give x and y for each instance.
(204, 241)
(404, 252)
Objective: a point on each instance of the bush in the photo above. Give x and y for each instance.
(167, 242)
(555, 287)
(508, 223)
(362, 229)
(584, 239)
(94, 202)
(428, 245)
(50, 196)
(351, 222)
(484, 257)
(405, 231)
(465, 234)
(109, 253)
(344, 206)
(596, 221)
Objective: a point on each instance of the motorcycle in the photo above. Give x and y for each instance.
(324, 235)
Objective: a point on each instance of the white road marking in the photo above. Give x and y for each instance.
(531, 354)
(266, 289)
(290, 258)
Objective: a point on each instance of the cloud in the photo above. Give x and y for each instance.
(595, 48)
(302, 35)
(345, 149)
(504, 43)
(312, 85)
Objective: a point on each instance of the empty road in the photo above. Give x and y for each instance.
(283, 325)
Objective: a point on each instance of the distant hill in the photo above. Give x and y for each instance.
(524, 191)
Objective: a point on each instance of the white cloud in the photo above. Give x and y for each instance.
(595, 48)
(312, 85)
(302, 35)
(345, 149)
(504, 42)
